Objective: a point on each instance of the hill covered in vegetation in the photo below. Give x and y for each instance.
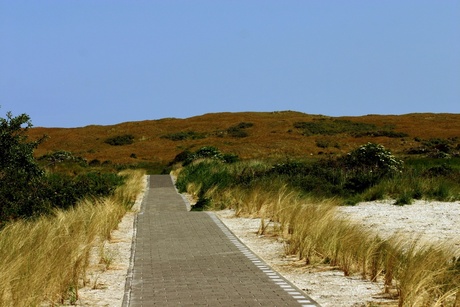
(266, 135)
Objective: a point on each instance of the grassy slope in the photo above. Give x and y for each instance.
(272, 136)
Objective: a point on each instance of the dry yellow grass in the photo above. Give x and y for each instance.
(272, 136)
(44, 260)
(417, 275)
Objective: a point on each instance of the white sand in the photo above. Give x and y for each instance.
(429, 221)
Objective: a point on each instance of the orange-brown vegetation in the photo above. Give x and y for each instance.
(272, 135)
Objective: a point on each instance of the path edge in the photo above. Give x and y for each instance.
(129, 275)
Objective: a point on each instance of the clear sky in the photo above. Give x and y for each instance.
(71, 63)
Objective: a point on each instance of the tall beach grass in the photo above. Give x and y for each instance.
(44, 260)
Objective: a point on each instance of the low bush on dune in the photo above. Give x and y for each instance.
(120, 140)
(184, 135)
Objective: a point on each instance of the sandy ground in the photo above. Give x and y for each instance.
(433, 221)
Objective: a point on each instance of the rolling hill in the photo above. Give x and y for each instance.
(275, 135)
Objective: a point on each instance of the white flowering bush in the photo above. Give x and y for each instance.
(367, 165)
(374, 158)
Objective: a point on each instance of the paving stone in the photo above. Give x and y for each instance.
(184, 258)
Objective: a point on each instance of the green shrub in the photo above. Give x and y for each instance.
(437, 144)
(244, 125)
(367, 165)
(184, 135)
(20, 173)
(372, 158)
(436, 148)
(377, 133)
(207, 152)
(62, 156)
(120, 140)
(291, 168)
(239, 130)
(94, 162)
(328, 126)
(63, 191)
(16, 152)
(181, 157)
(332, 126)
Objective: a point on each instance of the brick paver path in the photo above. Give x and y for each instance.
(184, 258)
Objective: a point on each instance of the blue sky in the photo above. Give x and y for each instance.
(79, 62)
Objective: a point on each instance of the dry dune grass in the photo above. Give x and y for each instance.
(272, 136)
(45, 260)
(413, 273)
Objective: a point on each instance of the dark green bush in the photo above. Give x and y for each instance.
(120, 140)
(21, 198)
(328, 126)
(20, 173)
(206, 152)
(417, 150)
(437, 144)
(62, 156)
(372, 158)
(230, 158)
(291, 168)
(239, 130)
(184, 135)
(63, 191)
(244, 125)
(181, 157)
(377, 133)
(436, 148)
(94, 162)
(16, 152)
(237, 133)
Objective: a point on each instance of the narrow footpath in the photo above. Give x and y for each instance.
(183, 258)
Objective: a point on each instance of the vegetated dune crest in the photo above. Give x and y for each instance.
(250, 135)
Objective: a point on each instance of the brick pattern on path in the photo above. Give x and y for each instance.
(183, 258)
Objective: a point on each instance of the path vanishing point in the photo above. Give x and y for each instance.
(188, 258)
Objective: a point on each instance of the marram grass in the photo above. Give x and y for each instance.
(45, 260)
(414, 274)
